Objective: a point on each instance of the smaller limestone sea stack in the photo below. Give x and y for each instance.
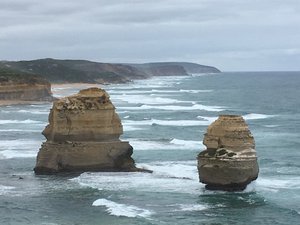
(229, 163)
(83, 135)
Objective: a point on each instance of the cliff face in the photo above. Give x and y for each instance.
(229, 162)
(15, 86)
(83, 135)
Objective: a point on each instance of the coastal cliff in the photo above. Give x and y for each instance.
(83, 71)
(17, 86)
(83, 135)
(229, 163)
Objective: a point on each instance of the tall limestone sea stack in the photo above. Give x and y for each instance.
(83, 135)
(229, 163)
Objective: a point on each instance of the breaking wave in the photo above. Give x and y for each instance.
(117, 209)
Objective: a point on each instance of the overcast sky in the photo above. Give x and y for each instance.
(245, 35)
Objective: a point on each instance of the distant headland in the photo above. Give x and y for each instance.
(83, 71)
(24, 81)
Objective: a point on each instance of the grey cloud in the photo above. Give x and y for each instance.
(231, 35)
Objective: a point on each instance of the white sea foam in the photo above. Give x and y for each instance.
(163, 91)
(175, 177)
(256, 116)
(176, 123)
(271, 126)
(28, 121)
(117, 209)
(145, 99)
(183, 169)
(152, 83)
(275, 184)
(5, 189)
(208, 119)
(174, 144)
(195, 91)
(176, 107)
(19, 130)
(18, 148)
(193, 207)
(34, 112)
(251, 116)
(10, 154)
(187, 143)
(127, 127)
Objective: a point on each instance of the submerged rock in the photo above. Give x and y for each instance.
(229, 163)
(83, 135)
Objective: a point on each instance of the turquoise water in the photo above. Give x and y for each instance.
(164, 119)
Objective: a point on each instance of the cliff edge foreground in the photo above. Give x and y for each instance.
(83, 135)
(229, 163)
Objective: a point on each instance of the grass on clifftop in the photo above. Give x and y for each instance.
(11, 76)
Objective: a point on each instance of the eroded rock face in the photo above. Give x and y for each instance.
(83, 135)
(229, 162)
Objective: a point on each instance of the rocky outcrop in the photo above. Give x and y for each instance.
(83, 135)
(17, 86)
(229, 162)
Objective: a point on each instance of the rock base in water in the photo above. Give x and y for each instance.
(229, 163)
(84, 156)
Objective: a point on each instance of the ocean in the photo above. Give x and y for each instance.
(164, 119)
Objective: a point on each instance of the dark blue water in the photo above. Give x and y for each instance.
(164, 119)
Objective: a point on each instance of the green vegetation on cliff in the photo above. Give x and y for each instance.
(18, 77)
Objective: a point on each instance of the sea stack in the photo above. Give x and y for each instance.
(229, 163)
(83, 135)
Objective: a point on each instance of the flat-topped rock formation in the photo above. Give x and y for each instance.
(229, 162)
(17, 86)
(83, 135)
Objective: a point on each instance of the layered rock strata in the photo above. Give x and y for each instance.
(20, 86)
(83, 135)
(229, 163)
(25, 92)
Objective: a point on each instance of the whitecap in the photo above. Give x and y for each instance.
(193, 207)
(195, 91)
(275, 184)
(28, 121)
(174, 144)
(19, 148)
(34, 112)
(174, 177)
(5, 189)
(173, 169)
(256, 116)
(271, 126)
(176, 107)
(176, 123)
(145, 99)
(10, 154)
(208, 119)
(162, 91)
(128, 128)
(18, 130)
(187, 143)
(117, 209)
